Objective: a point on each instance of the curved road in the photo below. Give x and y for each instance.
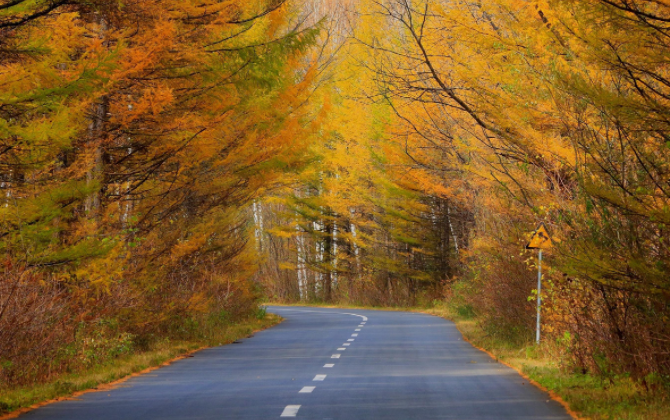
(326, 364)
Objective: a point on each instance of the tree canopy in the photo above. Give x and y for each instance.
(166, 160)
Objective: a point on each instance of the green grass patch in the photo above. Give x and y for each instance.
(160, 352)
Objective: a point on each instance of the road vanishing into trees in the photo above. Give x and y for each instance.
(326, 364)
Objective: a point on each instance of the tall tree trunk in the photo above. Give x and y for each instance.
(95, 139)
(95, 147)
(327, 262)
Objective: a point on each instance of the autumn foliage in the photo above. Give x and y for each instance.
(457, 127)
(132, 137)
(165, 161)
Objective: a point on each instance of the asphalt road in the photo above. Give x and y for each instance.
(325, 364)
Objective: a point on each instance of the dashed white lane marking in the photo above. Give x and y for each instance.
(365, 318)
(361, 326)
(346, 344)
(357, 329)
(290, 411)
(341, 349)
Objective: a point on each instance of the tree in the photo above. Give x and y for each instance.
(133, 137)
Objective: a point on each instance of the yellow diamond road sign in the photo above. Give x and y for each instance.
(540, 239)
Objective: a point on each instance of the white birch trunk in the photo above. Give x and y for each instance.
(257, 209)
(451, 228)
(302, 263)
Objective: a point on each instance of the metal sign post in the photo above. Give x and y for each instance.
(539, 240)
(539, 296)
